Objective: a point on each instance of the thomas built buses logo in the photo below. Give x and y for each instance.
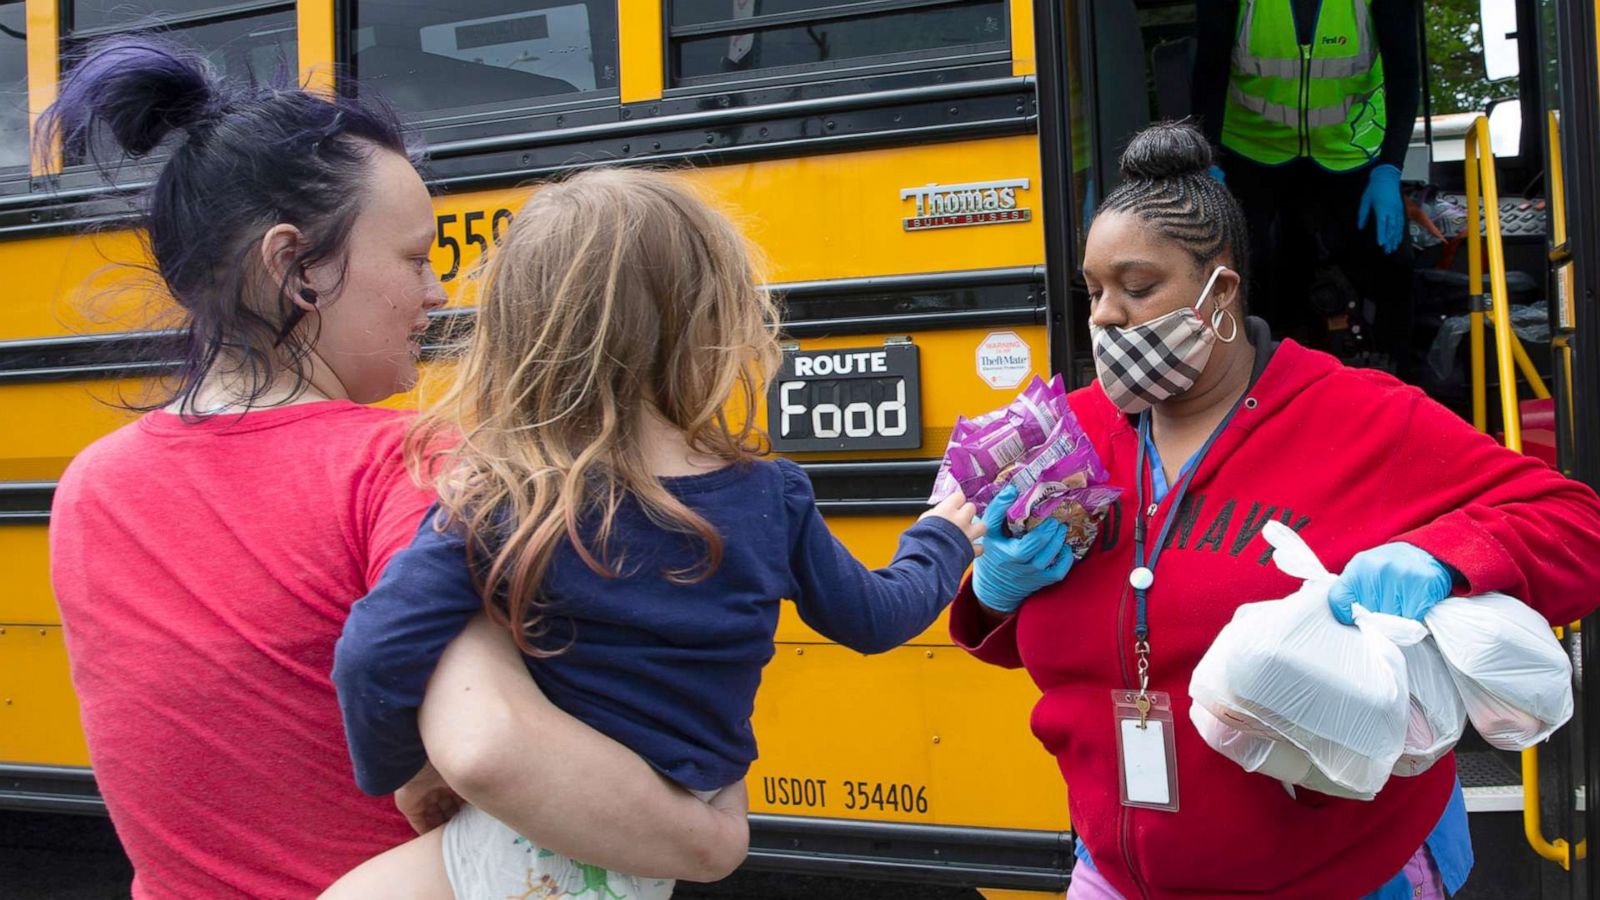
(974, 203)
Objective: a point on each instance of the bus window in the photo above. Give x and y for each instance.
(713, 41)
(13, 87)
(486, 55)
(87, 15)
(258, 47)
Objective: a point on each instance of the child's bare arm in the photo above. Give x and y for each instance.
(564, 786)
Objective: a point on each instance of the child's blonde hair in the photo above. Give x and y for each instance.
(613, 293)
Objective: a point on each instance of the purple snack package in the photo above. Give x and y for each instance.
(981, 449)
(1066, 450)
(1066, 481)
(1080, 509)
(1038, 408)
(1036, 445)
(946, 482)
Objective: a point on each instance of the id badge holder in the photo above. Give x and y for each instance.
(1147, 756)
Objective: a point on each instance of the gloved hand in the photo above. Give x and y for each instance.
(1381, 200)
(1011, 569)
(1217, 173)
(1397, 579)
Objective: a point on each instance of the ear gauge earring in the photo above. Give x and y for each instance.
(296, 313)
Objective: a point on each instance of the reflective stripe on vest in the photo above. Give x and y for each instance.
(1324, 100)
(1247, 63)
(1317, 117)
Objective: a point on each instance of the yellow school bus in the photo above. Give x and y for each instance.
(919, 174)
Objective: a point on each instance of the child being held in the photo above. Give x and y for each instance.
(596, 498)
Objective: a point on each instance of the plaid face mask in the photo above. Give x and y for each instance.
(1146, 364)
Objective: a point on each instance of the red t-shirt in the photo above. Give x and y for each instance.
(204, 572)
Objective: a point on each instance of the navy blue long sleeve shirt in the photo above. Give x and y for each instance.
(669, 670)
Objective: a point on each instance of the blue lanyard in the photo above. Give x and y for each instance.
(1143, 574)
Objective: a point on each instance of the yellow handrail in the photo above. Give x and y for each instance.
(1558, 239)
(1480, 166)
(1558, 184)
(1558, 850)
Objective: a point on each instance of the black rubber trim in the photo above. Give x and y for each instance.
(907, 304)
(862, 9)
(872, 487)
(931, 854)
(914, 303)
(900, 303)
(57, 789)
(972, 61)
(85, 357)
(26, 502)
(915, 115)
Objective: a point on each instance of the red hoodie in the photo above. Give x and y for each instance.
(1351, 459)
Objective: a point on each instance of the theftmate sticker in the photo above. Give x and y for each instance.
(1004, 359)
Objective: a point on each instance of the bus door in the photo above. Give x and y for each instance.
(1568, 62)
(1529, 66)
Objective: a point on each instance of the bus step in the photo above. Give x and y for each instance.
(1491, 780)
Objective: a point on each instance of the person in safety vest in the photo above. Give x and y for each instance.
(1312, 104)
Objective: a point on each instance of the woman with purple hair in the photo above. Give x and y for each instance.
(205, 555)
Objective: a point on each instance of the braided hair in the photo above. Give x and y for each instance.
(1166, 182)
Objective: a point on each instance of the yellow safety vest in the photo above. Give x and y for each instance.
(1323, 101)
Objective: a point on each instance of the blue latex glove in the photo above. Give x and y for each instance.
(1011, 569)
(1397, 579)
(1381, 200)
(1217, 173)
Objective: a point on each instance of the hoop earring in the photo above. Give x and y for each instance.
(1216, 325)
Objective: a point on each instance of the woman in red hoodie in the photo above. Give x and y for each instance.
(1214, 430)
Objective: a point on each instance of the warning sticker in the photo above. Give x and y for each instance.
(1004, 359)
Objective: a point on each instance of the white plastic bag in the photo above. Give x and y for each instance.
(1513, 675)
(1437, 716)
(1273, 756)
(1254, 752)
(1287, 670)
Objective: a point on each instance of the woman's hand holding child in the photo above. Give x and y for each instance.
(426, 801)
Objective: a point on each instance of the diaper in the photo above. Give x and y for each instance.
(486, 860)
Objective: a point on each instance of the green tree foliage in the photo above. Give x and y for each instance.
(1455, 58)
